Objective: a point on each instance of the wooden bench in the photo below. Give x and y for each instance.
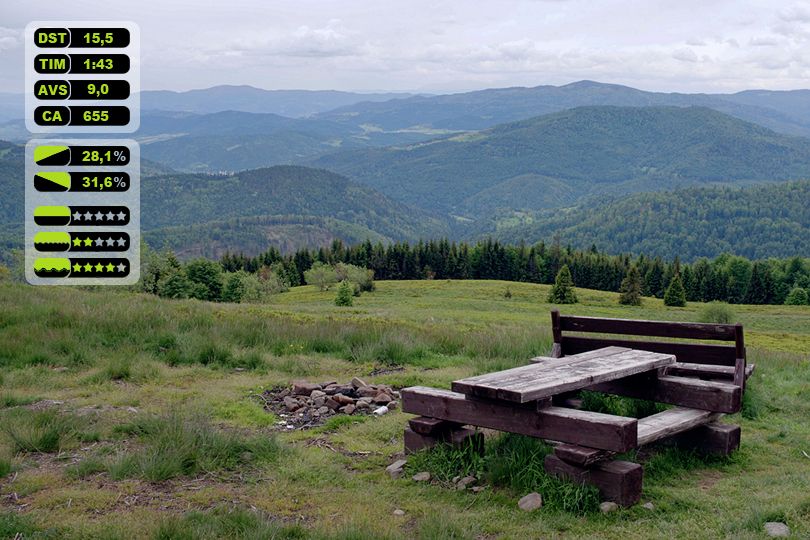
(694, 359)
(702, 381)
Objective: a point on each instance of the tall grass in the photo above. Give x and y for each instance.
(174, 445)
(221, 523)
(44, 431)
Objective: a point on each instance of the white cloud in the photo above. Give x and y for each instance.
(685, 54)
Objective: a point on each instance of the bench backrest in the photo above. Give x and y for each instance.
(697, 353)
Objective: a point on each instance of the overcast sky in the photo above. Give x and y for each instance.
(438, 46)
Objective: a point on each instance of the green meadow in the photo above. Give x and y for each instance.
(123, 415)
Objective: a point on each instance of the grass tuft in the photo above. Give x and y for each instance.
(175, 446)
(43, 431)
(222, 523)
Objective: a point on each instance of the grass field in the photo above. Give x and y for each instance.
(126, 416)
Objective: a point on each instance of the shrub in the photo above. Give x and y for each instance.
(797, 297)
(716, 312)
(344, 294)
(206, 279)
(322, 275)
(675, 295)
(563, 290)
(174, 285)
(361, 278)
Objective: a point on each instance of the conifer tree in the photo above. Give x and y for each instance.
(563, 290)
(344, 294)
(675, 295)
(630, 289)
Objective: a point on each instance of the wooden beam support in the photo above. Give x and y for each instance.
(713, 439)
(682, 391)
(617, 481)
(580, 456)
(556, 332)
(431, 426)
(591, 429)
(456, 437)
(705, 371)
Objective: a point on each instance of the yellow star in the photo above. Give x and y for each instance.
(88, 267)
(77, 267)
(110, 267)
(77, 242)
(99, 268)
(88, 242)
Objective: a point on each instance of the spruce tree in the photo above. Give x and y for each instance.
(797, 297)
(630, 289)
(344, 294)
(675, 295)
(563, 290)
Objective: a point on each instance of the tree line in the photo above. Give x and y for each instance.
(727, 278)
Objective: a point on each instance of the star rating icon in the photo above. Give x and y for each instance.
(88, 267)
(121, 242)
(99, 216)
(110, 267)
(99, 267)
(88, 216)
(77, 267)
(110, 216)
(88, 242)
(121, 267)
(77, 216)
(121, 216)
(77, 242)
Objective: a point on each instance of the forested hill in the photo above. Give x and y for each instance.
(756, 222)
(191, 199)
(574, 154)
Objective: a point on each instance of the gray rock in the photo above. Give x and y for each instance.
(319, 401)
(530, 502)
(301, 388)
(608, 506)
(464, 482)
(362, 404)
(776, 529)
(382, 398)
(332, 404)
(478, 489)
(343, 400)
(395, 469)
(399, 512)
(318, 394)
(349, 409)
(456, 479)
(357, 382)
(392, 405)
(648, 506)
(423, 476)
(291, 404)
(323, 410)
(367, 391)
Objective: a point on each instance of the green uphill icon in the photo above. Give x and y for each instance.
(52, 155)
(52, 241)
(52, 215)
(52, 181)
(52, 268)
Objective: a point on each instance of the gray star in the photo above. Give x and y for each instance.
(99, 241)
(121, 267)
(77, 216)
(122, 216)
(110, 241)
(88, 216)
(99, 215)
(110, 216)
(122, 242)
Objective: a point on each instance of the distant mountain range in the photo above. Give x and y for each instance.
(757, 222)
(517, 163)
(565, 157)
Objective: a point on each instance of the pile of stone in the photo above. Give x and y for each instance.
(306, 404)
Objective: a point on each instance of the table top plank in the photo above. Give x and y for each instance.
(545, 379)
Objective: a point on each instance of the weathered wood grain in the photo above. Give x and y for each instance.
(430, 426)
(595, 430)
(581, 456)
(669, 422)
(536, 381)
(687, 369)
(723, 355)
(457, 437)
(668, 329)
(682, 391)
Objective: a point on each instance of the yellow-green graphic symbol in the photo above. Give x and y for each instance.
(52, 241)
(52, 181)
(52, 155)
(51, 268)
(52, 215)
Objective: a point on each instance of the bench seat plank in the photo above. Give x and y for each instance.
(670, 422)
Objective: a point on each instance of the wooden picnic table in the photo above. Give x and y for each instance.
(527, 399)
